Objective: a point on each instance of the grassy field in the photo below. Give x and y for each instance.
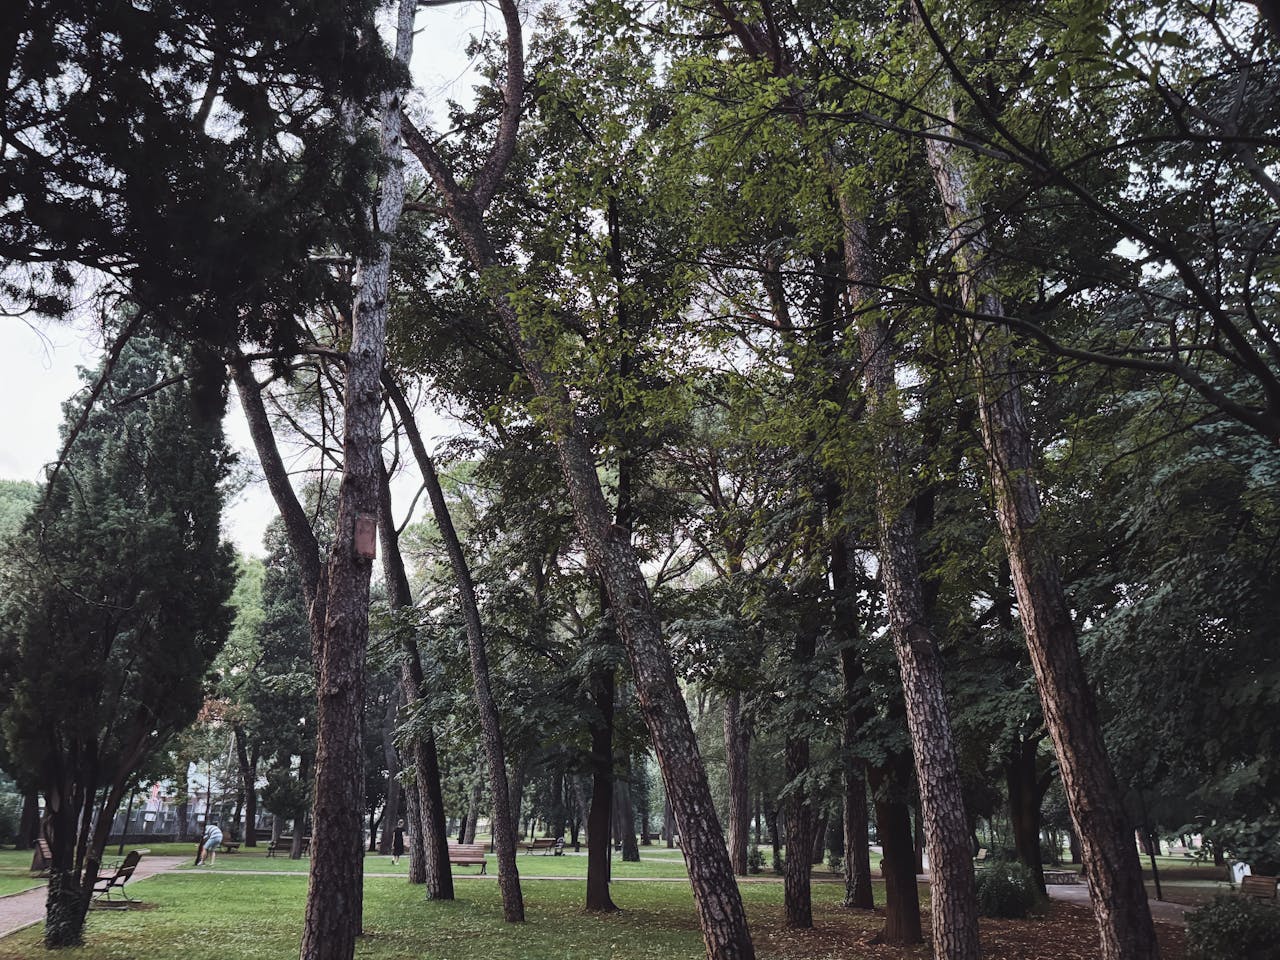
(211, 917)
(533, 865)
(15, 872)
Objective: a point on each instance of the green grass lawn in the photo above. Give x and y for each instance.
(212, 917)
(530, 864)
(15, 872)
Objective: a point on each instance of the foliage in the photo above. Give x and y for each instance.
(1006, 889)
(247, 169)
(1234, 926)
(115, 600)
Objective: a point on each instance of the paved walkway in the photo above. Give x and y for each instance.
(1161, 910)
(21, 910)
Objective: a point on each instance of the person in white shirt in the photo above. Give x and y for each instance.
(212, 840)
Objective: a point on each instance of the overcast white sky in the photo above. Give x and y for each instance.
(38, 360)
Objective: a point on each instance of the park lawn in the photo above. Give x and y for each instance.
(530, 864)
(213, 917)
(15, 872)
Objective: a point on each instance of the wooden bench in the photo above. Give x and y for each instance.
(545, 844)
(1258, 887)
(230, 846)
(983, 855)
(468, 854)
(103, 886)
(42, 862)
(1061, 877)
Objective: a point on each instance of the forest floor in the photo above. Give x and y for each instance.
(216, 915)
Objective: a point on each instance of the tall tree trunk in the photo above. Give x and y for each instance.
(1111, 863)
(819, 840)
(504, 841)
(336, 877)
(1025, 794)
(417, 850)
(627, 819)
(857, 854)
(248, 784)
(668, 822)
(918, 842)
(609, 552)
(429, 860)
(775, 841)
(954, 915)
(797, 810)
(472, 819)
(518, 774)
(901, 895)
(391, 757)
(737, 745)
(599, 815)
(29, 822)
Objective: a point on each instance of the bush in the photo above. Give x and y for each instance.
(10, 816)
(755, 860)
(1006, 889)
(1232, 927)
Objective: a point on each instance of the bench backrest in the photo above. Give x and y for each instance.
(128, 866)
(45, 850)
(1256, 886)
(466, 850)
(544, 842)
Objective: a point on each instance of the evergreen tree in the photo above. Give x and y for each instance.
(115, 606)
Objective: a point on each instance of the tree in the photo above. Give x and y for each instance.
(116, 605)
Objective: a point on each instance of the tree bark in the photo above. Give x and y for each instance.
(391, 757)
(627, 819)
(1111, 863)
(599, 814)
(737, 744)
(472, 819)
(29, 823)
(901, 895)
(336, 876)
(819, 840)
(799, 814)
(954, 915)
(1026, 792)
(417, 848)
(248, 784)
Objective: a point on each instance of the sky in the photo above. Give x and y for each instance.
(38, 359)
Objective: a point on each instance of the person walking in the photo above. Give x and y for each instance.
(397, 842)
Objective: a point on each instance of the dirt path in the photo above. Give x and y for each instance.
(24, 909)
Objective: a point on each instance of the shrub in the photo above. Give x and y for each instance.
(755, 860)
(1231, 927)
(1006, 889)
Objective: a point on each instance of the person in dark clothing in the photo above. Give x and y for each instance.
(397, 842)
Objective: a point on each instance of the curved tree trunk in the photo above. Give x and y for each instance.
(1111, 863)
(504, 841)
(609, 551)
